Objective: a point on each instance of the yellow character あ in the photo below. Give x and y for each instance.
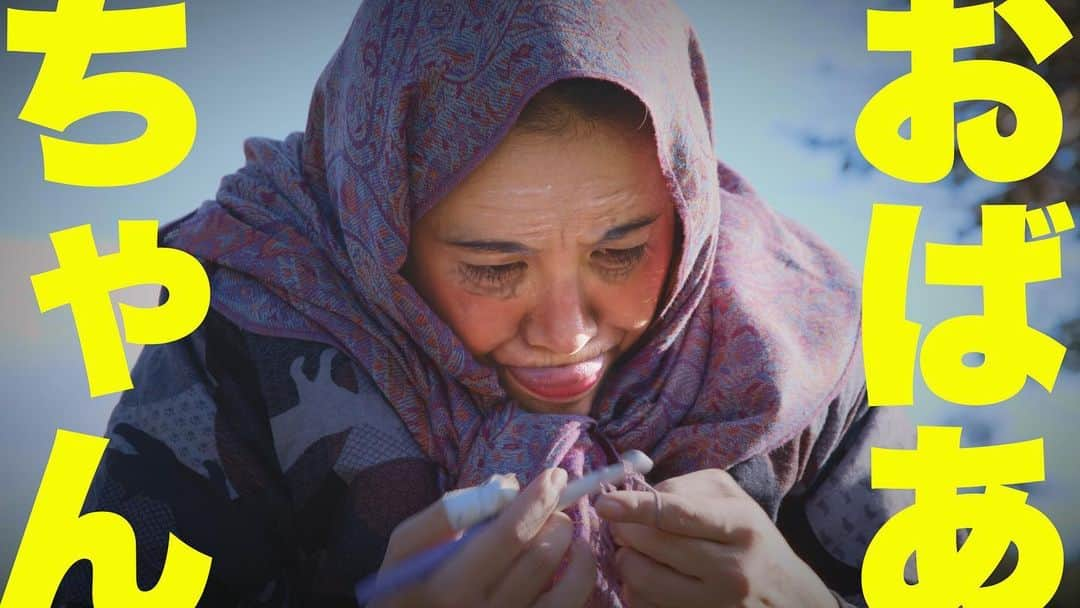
(947, 575)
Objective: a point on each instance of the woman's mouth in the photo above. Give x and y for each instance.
(563, 383)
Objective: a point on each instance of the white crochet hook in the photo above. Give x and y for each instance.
(472, 508)
(595, 480)
(469, 506)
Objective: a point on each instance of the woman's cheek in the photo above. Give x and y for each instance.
(629, 306)
(647, 288)
(482, 322)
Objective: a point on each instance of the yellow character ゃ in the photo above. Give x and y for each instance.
(84, 281)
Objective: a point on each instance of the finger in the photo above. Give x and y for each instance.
(485, 558)
(413, 595)
(636, 601)
(714, 481)
(534, 567)
(726, 520)
(690, 556)
(577, 583)
(422, 531)
(654, 582)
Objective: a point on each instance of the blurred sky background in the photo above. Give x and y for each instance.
(781, 71)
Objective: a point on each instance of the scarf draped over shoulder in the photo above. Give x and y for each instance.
(307, 239)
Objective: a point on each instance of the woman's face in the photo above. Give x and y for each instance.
(549, 259)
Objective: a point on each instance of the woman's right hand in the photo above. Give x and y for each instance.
(509, 563)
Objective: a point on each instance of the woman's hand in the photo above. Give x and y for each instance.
(710, 544)
(509, 563)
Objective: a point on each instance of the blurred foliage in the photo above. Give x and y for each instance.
(1058, 181)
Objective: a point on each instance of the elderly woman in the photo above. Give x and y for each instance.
(503, 244)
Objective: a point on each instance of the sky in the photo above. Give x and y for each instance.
(780, 71)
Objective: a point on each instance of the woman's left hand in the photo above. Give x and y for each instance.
(710, 544)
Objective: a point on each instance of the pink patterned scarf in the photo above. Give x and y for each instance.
(306, 241)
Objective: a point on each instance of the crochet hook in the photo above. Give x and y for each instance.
(474, 508)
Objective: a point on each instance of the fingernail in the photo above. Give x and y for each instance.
(558, 476)
(609, 507)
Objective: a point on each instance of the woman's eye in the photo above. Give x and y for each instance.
(493, 276)
(618, 262)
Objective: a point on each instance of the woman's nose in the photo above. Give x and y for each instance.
(561, 322)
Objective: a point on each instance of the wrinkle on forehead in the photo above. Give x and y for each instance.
(519, 191)
(578, 218)
(542, 191)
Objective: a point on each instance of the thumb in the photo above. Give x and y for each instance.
(447, 517)
(423, 530)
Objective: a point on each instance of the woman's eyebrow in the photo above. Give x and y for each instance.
(622, 230)
(497, 246)
(491, 246)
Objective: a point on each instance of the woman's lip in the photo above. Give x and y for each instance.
(563, 383)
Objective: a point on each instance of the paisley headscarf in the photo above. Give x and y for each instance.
(307, 239)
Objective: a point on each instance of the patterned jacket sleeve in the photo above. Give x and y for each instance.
(831, 517)
(189, 453)
(216, 444)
